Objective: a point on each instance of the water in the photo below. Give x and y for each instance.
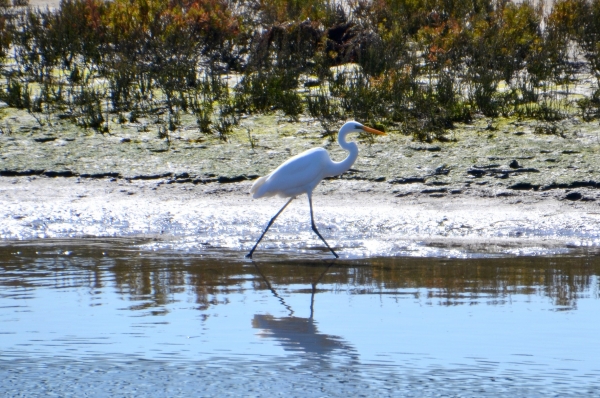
(114, 318)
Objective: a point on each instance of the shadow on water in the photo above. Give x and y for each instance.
(119, 314)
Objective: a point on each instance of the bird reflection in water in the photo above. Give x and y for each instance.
(296, 333)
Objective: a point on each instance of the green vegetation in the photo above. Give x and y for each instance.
(415, 66)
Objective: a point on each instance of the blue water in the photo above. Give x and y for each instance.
(107, 318)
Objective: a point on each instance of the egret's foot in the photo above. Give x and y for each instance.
(249, 255)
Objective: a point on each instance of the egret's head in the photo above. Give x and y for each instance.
(357, 127)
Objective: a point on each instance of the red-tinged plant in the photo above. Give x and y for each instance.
(272, 12)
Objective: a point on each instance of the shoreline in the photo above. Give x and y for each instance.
(358, 218)
(504, 190)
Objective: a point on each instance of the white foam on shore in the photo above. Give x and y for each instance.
(356, 225)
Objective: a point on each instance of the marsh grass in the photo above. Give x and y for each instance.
(411, 66)
(589, 107)
(550, 128)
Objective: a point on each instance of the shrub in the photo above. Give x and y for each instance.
(419, 64)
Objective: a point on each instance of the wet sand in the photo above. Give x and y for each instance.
(505, 191)
(359, 218)
(44, 3)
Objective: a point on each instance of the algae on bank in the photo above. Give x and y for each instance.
(476, 156)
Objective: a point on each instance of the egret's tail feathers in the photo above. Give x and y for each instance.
(257, 184)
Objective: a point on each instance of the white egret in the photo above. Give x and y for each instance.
(302, 173)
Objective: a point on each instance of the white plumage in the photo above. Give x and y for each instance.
(303, 172)
(299, 174)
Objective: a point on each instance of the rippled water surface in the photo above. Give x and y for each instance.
(113, 318)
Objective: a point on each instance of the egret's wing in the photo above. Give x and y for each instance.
(297, 175)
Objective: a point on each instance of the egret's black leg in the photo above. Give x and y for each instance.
(314, 227)
(249, 255)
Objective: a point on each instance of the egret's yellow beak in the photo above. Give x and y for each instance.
(373, 131)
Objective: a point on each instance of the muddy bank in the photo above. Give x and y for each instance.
(499, 155)
(497, 186)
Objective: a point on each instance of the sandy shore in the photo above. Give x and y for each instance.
(44, 3)
(506, 190)
(358, 218)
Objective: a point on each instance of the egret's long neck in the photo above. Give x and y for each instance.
(343, 166)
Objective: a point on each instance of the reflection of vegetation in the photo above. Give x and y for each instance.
(417, 66)
(154, 279)
(458, 281)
